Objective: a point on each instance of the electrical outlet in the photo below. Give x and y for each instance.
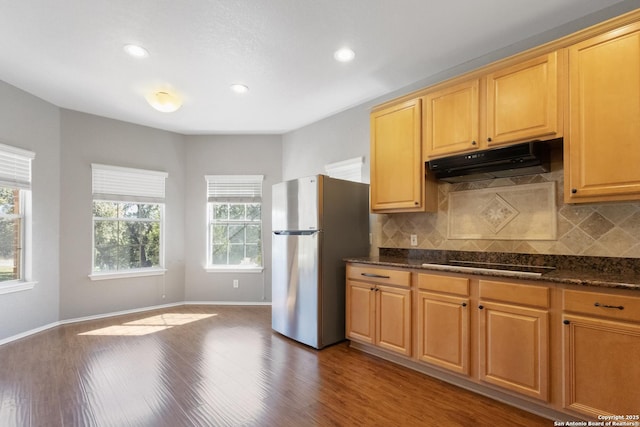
(235, 283)
(414, 240)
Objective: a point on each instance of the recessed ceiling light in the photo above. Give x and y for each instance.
(164, 101)
(239, 88)
(344, 54)
(136, 51)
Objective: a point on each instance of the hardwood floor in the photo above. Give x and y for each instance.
(219, 366)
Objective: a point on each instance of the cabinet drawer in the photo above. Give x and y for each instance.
(450, 285)
(537, 296)
(602, 304)
(379, 275)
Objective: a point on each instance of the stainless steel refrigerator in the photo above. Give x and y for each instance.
(317, 222)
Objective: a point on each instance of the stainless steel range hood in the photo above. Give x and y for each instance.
(515, 160)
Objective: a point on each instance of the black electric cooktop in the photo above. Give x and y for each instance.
(471, 266)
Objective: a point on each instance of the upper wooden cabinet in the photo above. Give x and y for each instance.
(583, 87)
(397, 170)
(519, 102)
(601, 153)
(451, 120)
(522, 101)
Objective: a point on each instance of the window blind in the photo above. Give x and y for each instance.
(234, 188)
(15, 167)
(127, 184)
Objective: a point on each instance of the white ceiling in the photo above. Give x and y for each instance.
(69, 52)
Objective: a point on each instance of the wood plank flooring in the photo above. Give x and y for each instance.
(219, 366)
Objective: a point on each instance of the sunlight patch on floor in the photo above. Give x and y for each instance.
(149, 325)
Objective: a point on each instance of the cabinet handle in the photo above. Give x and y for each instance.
(566, 322)
(473, 143)
(377, 276)
(464, 304)
(574, 190)
(489, 139)
(619, 307)
(372, 289)
(416, 203)
(481, 307)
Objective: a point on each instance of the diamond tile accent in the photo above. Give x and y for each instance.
(595, 225)
(498, 213)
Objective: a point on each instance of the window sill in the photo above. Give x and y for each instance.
(128, 273)
(234, 269)
(7, 288)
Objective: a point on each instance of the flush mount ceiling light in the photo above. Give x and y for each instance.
(136, 51)
(164, 101)
(239, 88)
(344, 54)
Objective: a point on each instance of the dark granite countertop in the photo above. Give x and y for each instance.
(603, 272)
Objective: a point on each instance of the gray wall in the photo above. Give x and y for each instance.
(90, 139)
(223, 155)
(344, 136)
(30, 123)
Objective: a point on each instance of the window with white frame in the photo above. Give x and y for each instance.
(128, 220)
(15, 197)
(234, 221)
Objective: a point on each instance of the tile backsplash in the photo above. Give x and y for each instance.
(593, 229)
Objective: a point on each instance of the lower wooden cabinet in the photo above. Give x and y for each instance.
(514, 337)
(556, 347)
(360, 318)
(443, 322)
(514, 348)
(393, 319)
(443, 331)
(601, 346)
(379, 314)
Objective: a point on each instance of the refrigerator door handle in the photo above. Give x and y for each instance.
(295, 232)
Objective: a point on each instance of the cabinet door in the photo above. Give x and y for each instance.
(604, 118)
(452, 119)
(397, 170)
(393, 319)
(443, 331)
(360, 312)
(514, 348)
(601, 372)
(522, 101)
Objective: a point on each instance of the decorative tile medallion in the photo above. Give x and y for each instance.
(498, 213)
(522, 212)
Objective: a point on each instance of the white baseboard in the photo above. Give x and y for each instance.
(29, 332)
(227, 303)
(120, 313)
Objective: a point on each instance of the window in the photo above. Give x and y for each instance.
(15, 197)
(234, 222)
(128, 214)
(11, 233)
